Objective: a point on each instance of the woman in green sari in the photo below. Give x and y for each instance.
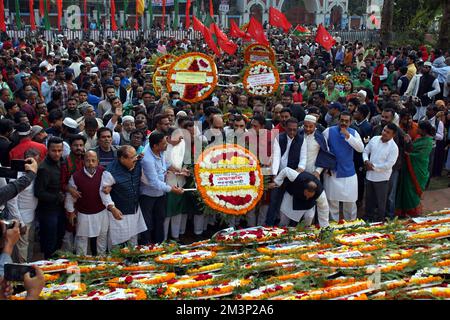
(414, 174)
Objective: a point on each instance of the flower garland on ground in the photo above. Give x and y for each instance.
(149, 279)
(112, 294)
(406, 269)
(354, 239)
(261, 79)
(229, 179)
(193, 75)
(185, 257)
(251, 235)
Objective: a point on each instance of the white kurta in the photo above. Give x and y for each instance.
(287, 205)
(88, 225)
(343, 189)
(121, 231)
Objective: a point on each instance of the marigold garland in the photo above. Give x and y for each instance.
(113, 294)
(354, 239)
(185, 257)
(56, 265)
(166, 59)
(266, 292)
(148, 279)
(191, 92)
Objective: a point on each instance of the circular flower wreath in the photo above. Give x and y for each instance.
(193, 66)
(259, 52)
(159, 78)
(229, 179)
(261, 79)
(166, 59)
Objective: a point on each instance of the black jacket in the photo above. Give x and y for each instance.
(296, 190)
(47, 187)
(14, 187)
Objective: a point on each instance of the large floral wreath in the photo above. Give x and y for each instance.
(259, 52)
(193, 75)
(229, 179)
(261, 79)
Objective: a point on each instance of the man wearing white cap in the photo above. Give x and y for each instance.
(341, 183)
(424, 86)
(127, 127)
(69, 127)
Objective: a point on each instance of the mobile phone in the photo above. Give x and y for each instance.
(18, 165)
(16, 272)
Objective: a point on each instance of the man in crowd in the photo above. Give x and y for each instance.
(47, 190)
(87, 209)
(289, 150)
(379, 157)
(120, 189)
(154, 188)
(341, 184)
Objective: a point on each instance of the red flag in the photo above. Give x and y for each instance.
(2, 16)
(198, 26)
(235, 32)
(211, 8)
(136, 24)
(163, 14)
(256, 31)
(32, 21)
(85, 16)
(59, 7)
(41, 8)
(324, 38)
(187, 13)
(279, 20)
(113, 16)
(222, 40)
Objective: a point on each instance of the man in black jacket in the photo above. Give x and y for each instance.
(47, 189)
(303, 192)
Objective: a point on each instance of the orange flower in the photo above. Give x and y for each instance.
(148, 279)
(184, 257)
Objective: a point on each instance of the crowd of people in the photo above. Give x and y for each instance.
(115, 157)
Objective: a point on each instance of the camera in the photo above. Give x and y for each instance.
(9, 224)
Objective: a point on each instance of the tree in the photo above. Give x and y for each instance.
(387, 17)
(444, 29)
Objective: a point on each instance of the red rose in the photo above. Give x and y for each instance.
(96, 298)
(128, 279)
(211, 178)
(194, 66)
(203, 63)
(171, 281)
(252, 178)
(160, 291)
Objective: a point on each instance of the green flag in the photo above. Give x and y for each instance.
(18, 23)
(199, 10)
(176, 9)
(99, 18)
(125, 12)
(46, 18)
(150, 13)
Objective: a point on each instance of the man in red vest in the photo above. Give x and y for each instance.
(89, 211)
